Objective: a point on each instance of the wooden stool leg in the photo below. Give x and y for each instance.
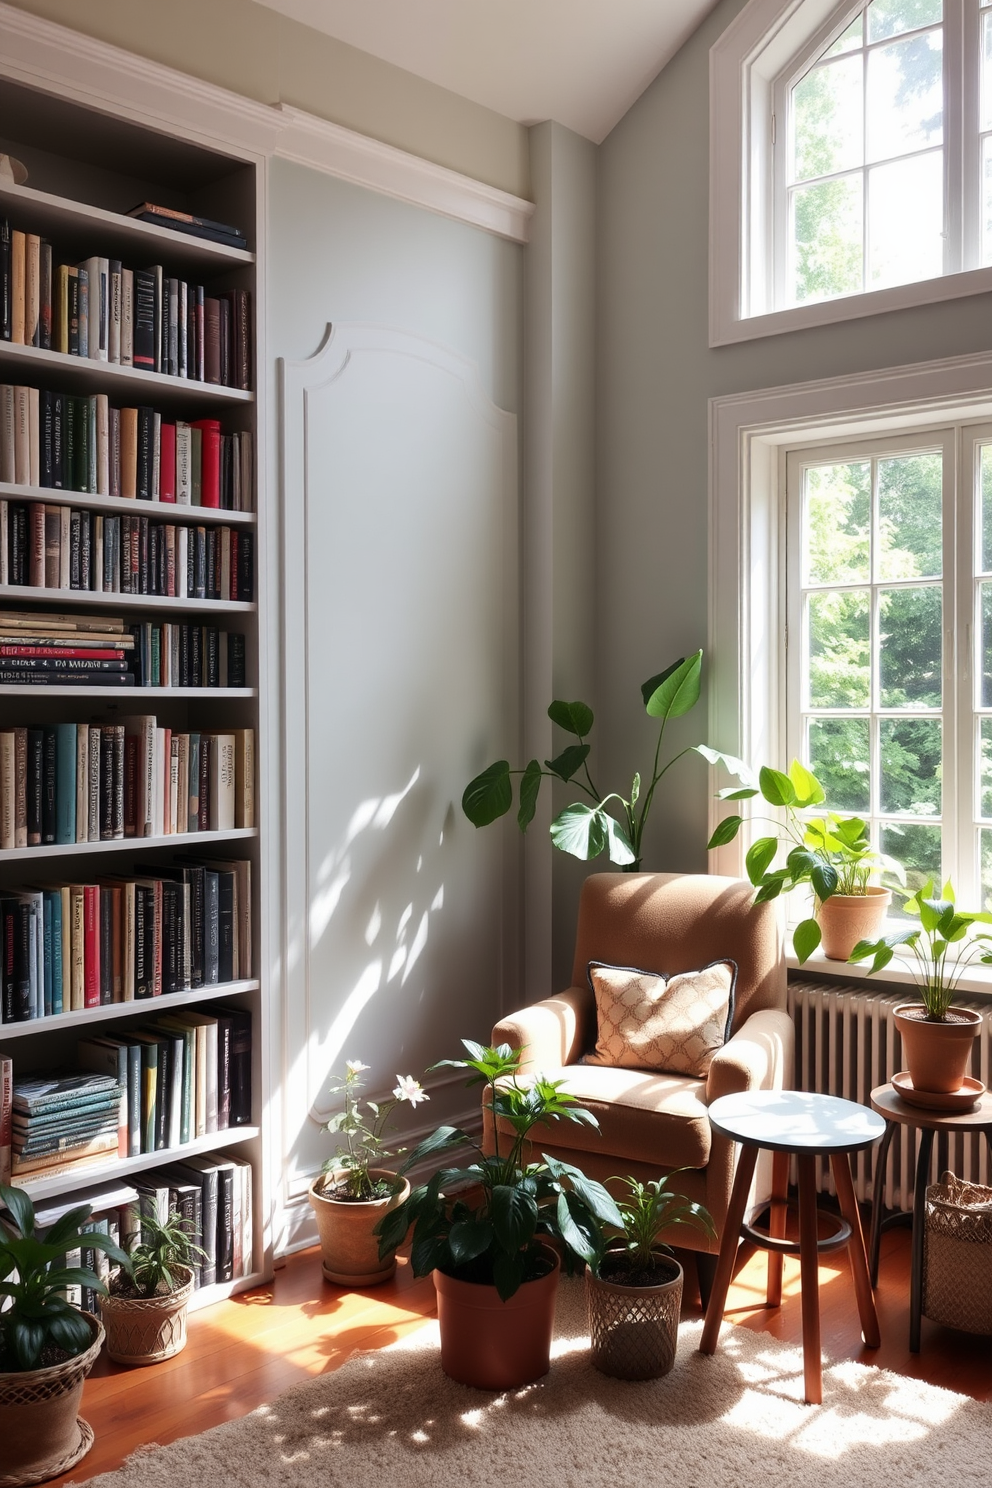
(840, 1166)
(809, 1264)
(919, 1223)
(776, 1225)
(728, 1250)
(881, 1157)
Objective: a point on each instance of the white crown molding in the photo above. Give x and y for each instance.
(368, 162)
(42, 54)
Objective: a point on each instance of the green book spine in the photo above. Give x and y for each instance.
(65, 783)
(47, 977)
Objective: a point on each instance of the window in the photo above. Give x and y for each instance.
(850, 160)
(889, 649)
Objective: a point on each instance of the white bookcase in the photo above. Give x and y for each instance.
(86, 169)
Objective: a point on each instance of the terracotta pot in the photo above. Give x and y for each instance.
(634, 1330)
(145, 1330)
(844, 919)
(937, 1055)
(41, 1432)
(349, 1248)
(496, 1345)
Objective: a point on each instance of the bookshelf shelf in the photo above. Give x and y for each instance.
(117, 1167)
(96, 599)
(83, 230)
(164, 511)
(121, 694)
(84, 375)
(143, 1007)
(122, 844)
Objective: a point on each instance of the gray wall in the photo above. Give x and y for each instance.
(656, 373)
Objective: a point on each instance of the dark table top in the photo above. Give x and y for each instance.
(887, 1101)
(796, 1121)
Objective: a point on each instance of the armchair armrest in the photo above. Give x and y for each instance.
(551, 1033)
(758, 1057)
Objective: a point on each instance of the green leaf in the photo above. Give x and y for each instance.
(20, 1206)
(438, 1141)
(574, 718)
(809, 791)
(581, 830)
(823, 877)
(805, 939)
(469, 1238)
(508, 1273)
(514, 1216)
(730, 762)
(776, 788)
(760, 856)
(851, 830)
(726, 831)
(489, 795)
(564, 765)
(530, 785)
(679, 691)
(651, 686)
(635, 789)
(737, 793)
(621, 851)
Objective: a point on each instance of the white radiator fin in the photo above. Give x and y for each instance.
(846, 1044)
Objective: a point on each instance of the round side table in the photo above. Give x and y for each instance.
(794, 1123)
(897, 1112)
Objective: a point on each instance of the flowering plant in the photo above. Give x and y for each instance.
(362, 1134)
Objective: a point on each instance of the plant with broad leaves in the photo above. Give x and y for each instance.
(497, 1240)
(832, 854)
(585, 830)
(362, 1135)
(154, 1256)
(648, 1209)
(38, 1320)
(942, 944)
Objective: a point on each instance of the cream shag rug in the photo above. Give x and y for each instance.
(391, 1419)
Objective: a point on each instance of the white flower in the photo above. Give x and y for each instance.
(409, 1089)
(355, 1066)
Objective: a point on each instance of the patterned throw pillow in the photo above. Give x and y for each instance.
(647, 1020)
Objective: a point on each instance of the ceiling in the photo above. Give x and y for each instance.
(580, 62)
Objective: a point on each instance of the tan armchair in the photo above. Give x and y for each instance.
(651, 1123)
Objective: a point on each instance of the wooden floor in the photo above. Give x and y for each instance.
(244, 1352)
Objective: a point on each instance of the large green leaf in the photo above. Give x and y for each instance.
(489, 795)
(823, 877)
(20, 1206)
(564, 765)
(651, 686)
(679, 691)
(760, 856)
(514, 1216)
(581, 830)
(776, 788)
(809, 791)
(530, 785)
(574, 718)
(621, 851)
(468, 1239)
(805, 939)
(726, 831)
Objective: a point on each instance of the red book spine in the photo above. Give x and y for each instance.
(80, 652)
(167, 463)
(91, 945)
(209, 461)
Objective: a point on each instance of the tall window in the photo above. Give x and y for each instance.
(889, 685)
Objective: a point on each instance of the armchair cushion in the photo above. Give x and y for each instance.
(647, 1020)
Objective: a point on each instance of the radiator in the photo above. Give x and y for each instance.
(846, 1044)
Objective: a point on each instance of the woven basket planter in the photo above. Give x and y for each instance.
(957, 1255)
(635, 1330)
(145, 1330)
(41, 1432)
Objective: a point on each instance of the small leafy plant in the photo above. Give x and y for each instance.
(942, 929)
(497, 1241)
(362, 1134)
(648, 1209)
(586, 830)
(154, 1258)
(39, 1326)
(832, 854)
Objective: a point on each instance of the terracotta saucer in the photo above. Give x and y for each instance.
(964, 1099)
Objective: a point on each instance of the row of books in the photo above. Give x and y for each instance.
(69, 443)
(48, 546)
(212, 1195)
(106, 312)
(39, 648)
(62, 783)
(186, 656)
(66, 947)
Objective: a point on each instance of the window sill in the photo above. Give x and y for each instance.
(977, 980)
(727, 329)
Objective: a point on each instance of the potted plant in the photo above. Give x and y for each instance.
(495, 1273)
(353, 1191)
(144, 1310)
(831, 854)
(936, 1037)
(47, 1346)
(634, 1283)
(585, 830)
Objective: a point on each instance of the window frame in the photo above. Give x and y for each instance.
(767, 43)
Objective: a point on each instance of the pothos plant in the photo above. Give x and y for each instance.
(609, 822)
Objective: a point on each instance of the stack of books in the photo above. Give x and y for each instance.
(69, 946)
(69, 443)
(185, 222)
(102, 310)
(93, 649)
(58, 1120)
